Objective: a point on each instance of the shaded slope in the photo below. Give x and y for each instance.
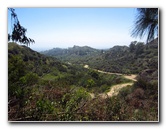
(120, 59)
(34, 61)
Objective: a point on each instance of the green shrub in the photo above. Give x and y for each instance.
(43, 106)
(29, 79)
(90, 83)
(72, 103)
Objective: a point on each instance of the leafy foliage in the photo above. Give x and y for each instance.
(119, 59)
(146, 23)
(18, 31)
(44, 89)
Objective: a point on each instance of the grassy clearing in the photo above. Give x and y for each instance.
(49, 77)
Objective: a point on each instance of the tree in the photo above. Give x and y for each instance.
(146, 23)
(132, 46)
(18, 32)
(139, 48)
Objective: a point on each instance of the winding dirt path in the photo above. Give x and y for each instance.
(114, 90)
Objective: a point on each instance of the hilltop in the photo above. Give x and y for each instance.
(74, 55)
(75, 50)
(34, 61)
(123, 59)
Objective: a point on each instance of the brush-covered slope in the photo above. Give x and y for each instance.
(133, 59)
(122, 59)
(74, 55)
(43, 88)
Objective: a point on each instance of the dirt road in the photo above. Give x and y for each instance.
(114, 90)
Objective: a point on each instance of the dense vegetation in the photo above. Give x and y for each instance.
(44, 88)
(74, 55)
(57, 87)
(38, 83)
(122, 59)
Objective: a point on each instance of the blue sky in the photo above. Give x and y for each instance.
(65, 27)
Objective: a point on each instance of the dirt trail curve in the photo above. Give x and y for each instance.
(130, 77)
(114, 90)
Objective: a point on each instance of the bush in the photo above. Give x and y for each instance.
(43, 107)
(124, 91)
(94, 74)
(90, 83)
(73, 102)
(29, 79)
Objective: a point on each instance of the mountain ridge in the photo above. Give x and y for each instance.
(123, 59)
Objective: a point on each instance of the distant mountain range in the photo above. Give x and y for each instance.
(75, 50)
(123, 59)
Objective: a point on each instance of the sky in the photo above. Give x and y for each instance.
(100, 28)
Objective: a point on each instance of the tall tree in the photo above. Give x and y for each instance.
(18, 32)
(146, 23)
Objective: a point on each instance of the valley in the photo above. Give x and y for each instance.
(114, 90)
(83, 83)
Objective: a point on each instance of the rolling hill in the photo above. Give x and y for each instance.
(40, 87)
(123, 59)
(46, 88)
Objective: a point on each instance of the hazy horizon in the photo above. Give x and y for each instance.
(100, 28)
(44, 49)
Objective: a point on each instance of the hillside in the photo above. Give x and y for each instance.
(43, 88)
(133, 59)
(74, 55)
(81, 83)
(137, 102)
(37, 63)
(75, 50)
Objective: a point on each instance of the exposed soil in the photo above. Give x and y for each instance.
(114, 90)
